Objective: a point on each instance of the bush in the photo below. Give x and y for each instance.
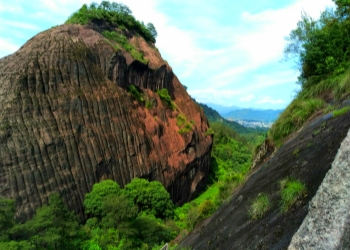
(136, 93)
(123, 41)
(259, 207)
(165, 97)
(291, 191)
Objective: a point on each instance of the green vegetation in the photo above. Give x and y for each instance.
(293, 118)
(123, 41)
(136, 93)
(291, 191)
(150, 198)
(210, 131)
(183, 124)
(136, 217)
(259, 207)
(166, 98)
(114, 14)
(231, 159)
(341, 111)
(323, 54)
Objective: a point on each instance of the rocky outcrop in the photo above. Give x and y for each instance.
(67, 121)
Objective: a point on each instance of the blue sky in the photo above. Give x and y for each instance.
(226, 52)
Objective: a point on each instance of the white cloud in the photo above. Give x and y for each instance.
(247, 98)
(7, 47)
(20, 25)
(268, 99)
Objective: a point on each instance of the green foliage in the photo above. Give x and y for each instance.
(214, 117)
(117, 209)
(136, 93)
(293, 118)
(259, 207)
(52, 227)
(152, 230)
(166, 98)
(183, 124)
(322, 46)
(291, 191)
(341, 111)
(150, 197)
(115, 14)
(210, 131)
(7, 212)
(123, 41)
(100, 191)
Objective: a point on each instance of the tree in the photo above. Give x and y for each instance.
(152, 30)
(117, 209)
(7, 212)
(52, 227)
(150, 197)
(321, 46)
(93, 200)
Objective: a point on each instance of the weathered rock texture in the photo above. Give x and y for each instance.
(307, 156)
(67, 121)
(327, 223)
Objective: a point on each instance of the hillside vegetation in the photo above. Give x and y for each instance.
(322, 49)
(115, 14)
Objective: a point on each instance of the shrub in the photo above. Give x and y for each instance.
(291, 191)
(166, 98)
(135, 92)
(259, 207)
(123, 41)
(183, 124)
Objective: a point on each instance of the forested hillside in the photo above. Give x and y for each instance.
(253, 136)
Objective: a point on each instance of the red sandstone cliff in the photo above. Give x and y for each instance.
(67, 121)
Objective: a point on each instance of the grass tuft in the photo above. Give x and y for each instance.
(259, 207)
(291, 191)
(341, 111)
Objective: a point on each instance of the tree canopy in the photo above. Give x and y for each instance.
(115, 14)
(322, 46)
(150, 197)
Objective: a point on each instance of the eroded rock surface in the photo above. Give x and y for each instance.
(67, 121)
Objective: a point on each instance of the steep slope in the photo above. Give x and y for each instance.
(306, 156)
(67, 120)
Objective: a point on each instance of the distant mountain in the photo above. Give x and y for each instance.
(222, 109)
(267, 115)
(214, 116)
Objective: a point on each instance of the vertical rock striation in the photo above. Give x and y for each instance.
(67, 121)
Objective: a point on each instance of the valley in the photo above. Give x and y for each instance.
(102, 147)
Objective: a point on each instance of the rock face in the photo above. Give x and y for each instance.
(327, 225)
(67, 121)
(306, 156)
